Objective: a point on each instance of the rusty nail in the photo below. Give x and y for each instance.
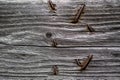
(77, 61)
(55, 70)
(90, 29)
(78, 14)
(86, 62)
(52, 5)
(54, 43)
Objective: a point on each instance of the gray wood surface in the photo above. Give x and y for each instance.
(26, 53)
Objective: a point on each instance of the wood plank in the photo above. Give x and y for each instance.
(64, 38)
(18, 61)
(26, 53)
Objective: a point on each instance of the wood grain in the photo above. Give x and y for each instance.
(26, 53)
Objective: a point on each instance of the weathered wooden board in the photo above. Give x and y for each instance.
(26, 53)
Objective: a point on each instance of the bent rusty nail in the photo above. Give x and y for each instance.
(86, 62)
(90, 29)
(52, 5)
(55, 70)
(77, 61)
(54, 43)
(78, 14)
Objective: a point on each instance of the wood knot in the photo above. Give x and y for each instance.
(48, 34)
(90, 29)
